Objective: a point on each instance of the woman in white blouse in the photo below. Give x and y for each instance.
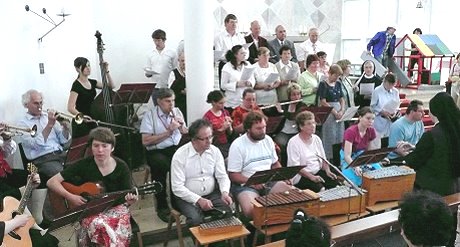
(265, 90)
(231, 81)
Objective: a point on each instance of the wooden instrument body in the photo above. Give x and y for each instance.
(61, 205)
(354, 204)
(234, 225)
(387, 189)
(10, 205)
(283, 213)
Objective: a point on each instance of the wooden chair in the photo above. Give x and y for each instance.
(174, 215)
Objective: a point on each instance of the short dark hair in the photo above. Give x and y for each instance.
(196, 125)
(413, 105)
(214, 96)
(306, 231)
(252, 118)
(102, 134)
(425, 219)
(231, 55)
(165, 93)
(159, 34)
(248, 90)
(230, 17)
(390, 78)
(321, 53)
(80, 63)
(284, 48)
(311, 58)
(417, 30)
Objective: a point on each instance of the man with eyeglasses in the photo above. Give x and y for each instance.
(407, 129)
(199, 181)
(162, 128)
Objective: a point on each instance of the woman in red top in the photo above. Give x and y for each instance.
(220, 120)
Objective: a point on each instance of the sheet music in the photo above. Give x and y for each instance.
(218, 55)
(150, 71)
(292, 74)
(366, 88)
(349, 114)
(392, 106)
(271, 78)
(247, 73)
(246, 46)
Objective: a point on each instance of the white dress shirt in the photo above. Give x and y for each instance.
(225, 41)
(161, 64)
(306, 48)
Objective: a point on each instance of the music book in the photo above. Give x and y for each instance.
(348, 114)
(247, 73)
(150, 71)
(366, 88)
(271, 78)
(371, 156)
(392, 106)
(292, 74)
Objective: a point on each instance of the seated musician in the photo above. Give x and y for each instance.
(46, 148)
(162, 128)
(254, 151)
(199, 180)
(425, 220)
(10, 182)
(240, 112)
(306, 231)
(290, 112)
(356, 140)
(82, 94)
(220, 120)
(302, 150)
(111, 227)
(436, 157)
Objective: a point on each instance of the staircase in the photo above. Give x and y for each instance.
(427, 121)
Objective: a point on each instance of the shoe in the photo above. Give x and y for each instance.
(45, 224)
(163, 214)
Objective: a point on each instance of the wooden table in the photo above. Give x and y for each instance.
(382, 206)
(209, 239)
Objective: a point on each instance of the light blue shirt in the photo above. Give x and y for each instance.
(380, 97)
(404, 130)
(35, 147)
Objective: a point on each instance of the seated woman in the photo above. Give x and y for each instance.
(306, 231)
(356, 140)
(220, 120)
(302, 150)
(249, 104)
(111, 227)
(290, 112)
(436, 157)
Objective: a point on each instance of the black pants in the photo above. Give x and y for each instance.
(159, 161)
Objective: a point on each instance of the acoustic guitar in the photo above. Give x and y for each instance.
(91, 191)
(11, 207)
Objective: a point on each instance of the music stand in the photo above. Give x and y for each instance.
(275, 174)
(92, 207)
(371, 156)
(321, 113)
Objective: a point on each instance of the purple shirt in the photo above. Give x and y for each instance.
(358, 142)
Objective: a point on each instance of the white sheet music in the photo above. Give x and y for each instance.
(271, 78)
(218, 55)
(248, 72)
(349, 114)
(246, 46)
(366, 88)
(392, 106)
(150, 71)
(292, 74)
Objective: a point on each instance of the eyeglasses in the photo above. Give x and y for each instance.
(209, 138)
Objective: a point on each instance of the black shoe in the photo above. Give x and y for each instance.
(45, 224)
(163, 214)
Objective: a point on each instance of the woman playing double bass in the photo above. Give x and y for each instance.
(82, 94)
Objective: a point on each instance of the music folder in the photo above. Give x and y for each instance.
(275, 174)
(94, 206)
(321, 113)
(371, 156)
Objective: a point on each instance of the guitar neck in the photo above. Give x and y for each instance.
(27, 193)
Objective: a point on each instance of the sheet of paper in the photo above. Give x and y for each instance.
(366, 88)
(392, 106)
(247, 73)
(218, 55)
(246, 46)
(292, 74)
(348, 114)
(271, 78)
(150, 71)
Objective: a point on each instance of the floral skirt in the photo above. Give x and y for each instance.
(111, 228)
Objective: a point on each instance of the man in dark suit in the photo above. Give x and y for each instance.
(280, 40)
(256, 40)
(383, 45)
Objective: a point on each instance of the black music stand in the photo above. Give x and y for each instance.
(275, 174)
(92, 207)
(371, 156)
(321, 113)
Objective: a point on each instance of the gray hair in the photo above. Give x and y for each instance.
(26, 96)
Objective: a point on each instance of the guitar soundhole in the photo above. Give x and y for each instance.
(13, 214)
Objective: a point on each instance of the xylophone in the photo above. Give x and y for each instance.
(279, 208)
(388, 184)
(341, 200)
(220, 226)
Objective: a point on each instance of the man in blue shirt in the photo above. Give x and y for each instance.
(408, 128)
(383, 45)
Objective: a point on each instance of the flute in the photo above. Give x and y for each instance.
(284, 103)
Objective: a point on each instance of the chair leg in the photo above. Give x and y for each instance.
(169, 229)
(179, 232)
(139, 239)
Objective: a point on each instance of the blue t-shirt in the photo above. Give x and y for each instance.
(404, 130)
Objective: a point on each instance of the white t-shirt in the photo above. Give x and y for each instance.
(248, 157)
